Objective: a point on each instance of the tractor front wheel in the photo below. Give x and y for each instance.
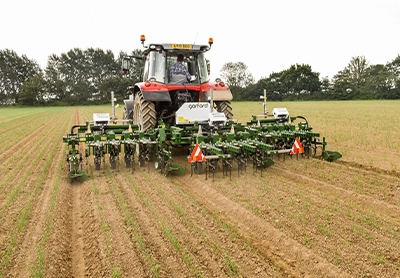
(144, 113)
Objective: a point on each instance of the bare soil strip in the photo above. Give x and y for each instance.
(119, 247)
(77, 232)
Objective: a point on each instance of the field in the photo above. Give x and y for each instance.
(301, 218)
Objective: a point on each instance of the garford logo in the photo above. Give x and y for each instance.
(198, 105)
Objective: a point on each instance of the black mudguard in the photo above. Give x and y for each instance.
(156, 96)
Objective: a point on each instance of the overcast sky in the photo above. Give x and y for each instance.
(268, 36)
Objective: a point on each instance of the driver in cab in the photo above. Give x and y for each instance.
(178, 72)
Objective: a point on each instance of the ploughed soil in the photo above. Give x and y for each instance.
(299, 218)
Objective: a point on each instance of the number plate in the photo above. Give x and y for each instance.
(182, 46)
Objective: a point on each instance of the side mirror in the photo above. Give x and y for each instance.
(126, 65)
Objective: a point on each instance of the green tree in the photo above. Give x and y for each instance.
(326, 89)
(76, 77)
(299, 81)
(118, 85)
(74, 74)
(236, 74)
(349, 81)
(379, 84)
(271, 84)
(56, 86)
(358, 70)
(394, 68)
(342, 86)
(33, 91)
(14, 71)
(100, 66)
(237, 77)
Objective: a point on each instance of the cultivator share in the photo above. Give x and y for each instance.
(168, 111)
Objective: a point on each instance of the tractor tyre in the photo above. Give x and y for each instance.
(144, 113)
(225, 107)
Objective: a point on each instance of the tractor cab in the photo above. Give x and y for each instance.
(159, 58)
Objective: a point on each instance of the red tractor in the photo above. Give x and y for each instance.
(159, 97)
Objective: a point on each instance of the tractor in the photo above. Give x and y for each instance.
(165, 112)
(161, 94)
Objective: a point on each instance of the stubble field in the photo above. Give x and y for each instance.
(301, 218)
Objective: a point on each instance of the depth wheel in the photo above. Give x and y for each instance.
(225, 107)
(144, 113)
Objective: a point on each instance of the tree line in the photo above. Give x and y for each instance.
(86, 77)
(78, 77)
(358, 80)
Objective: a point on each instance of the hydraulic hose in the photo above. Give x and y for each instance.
(301, 117)
(72, 129)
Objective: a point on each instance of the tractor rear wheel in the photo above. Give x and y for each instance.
(144, 113)
(225, 107)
